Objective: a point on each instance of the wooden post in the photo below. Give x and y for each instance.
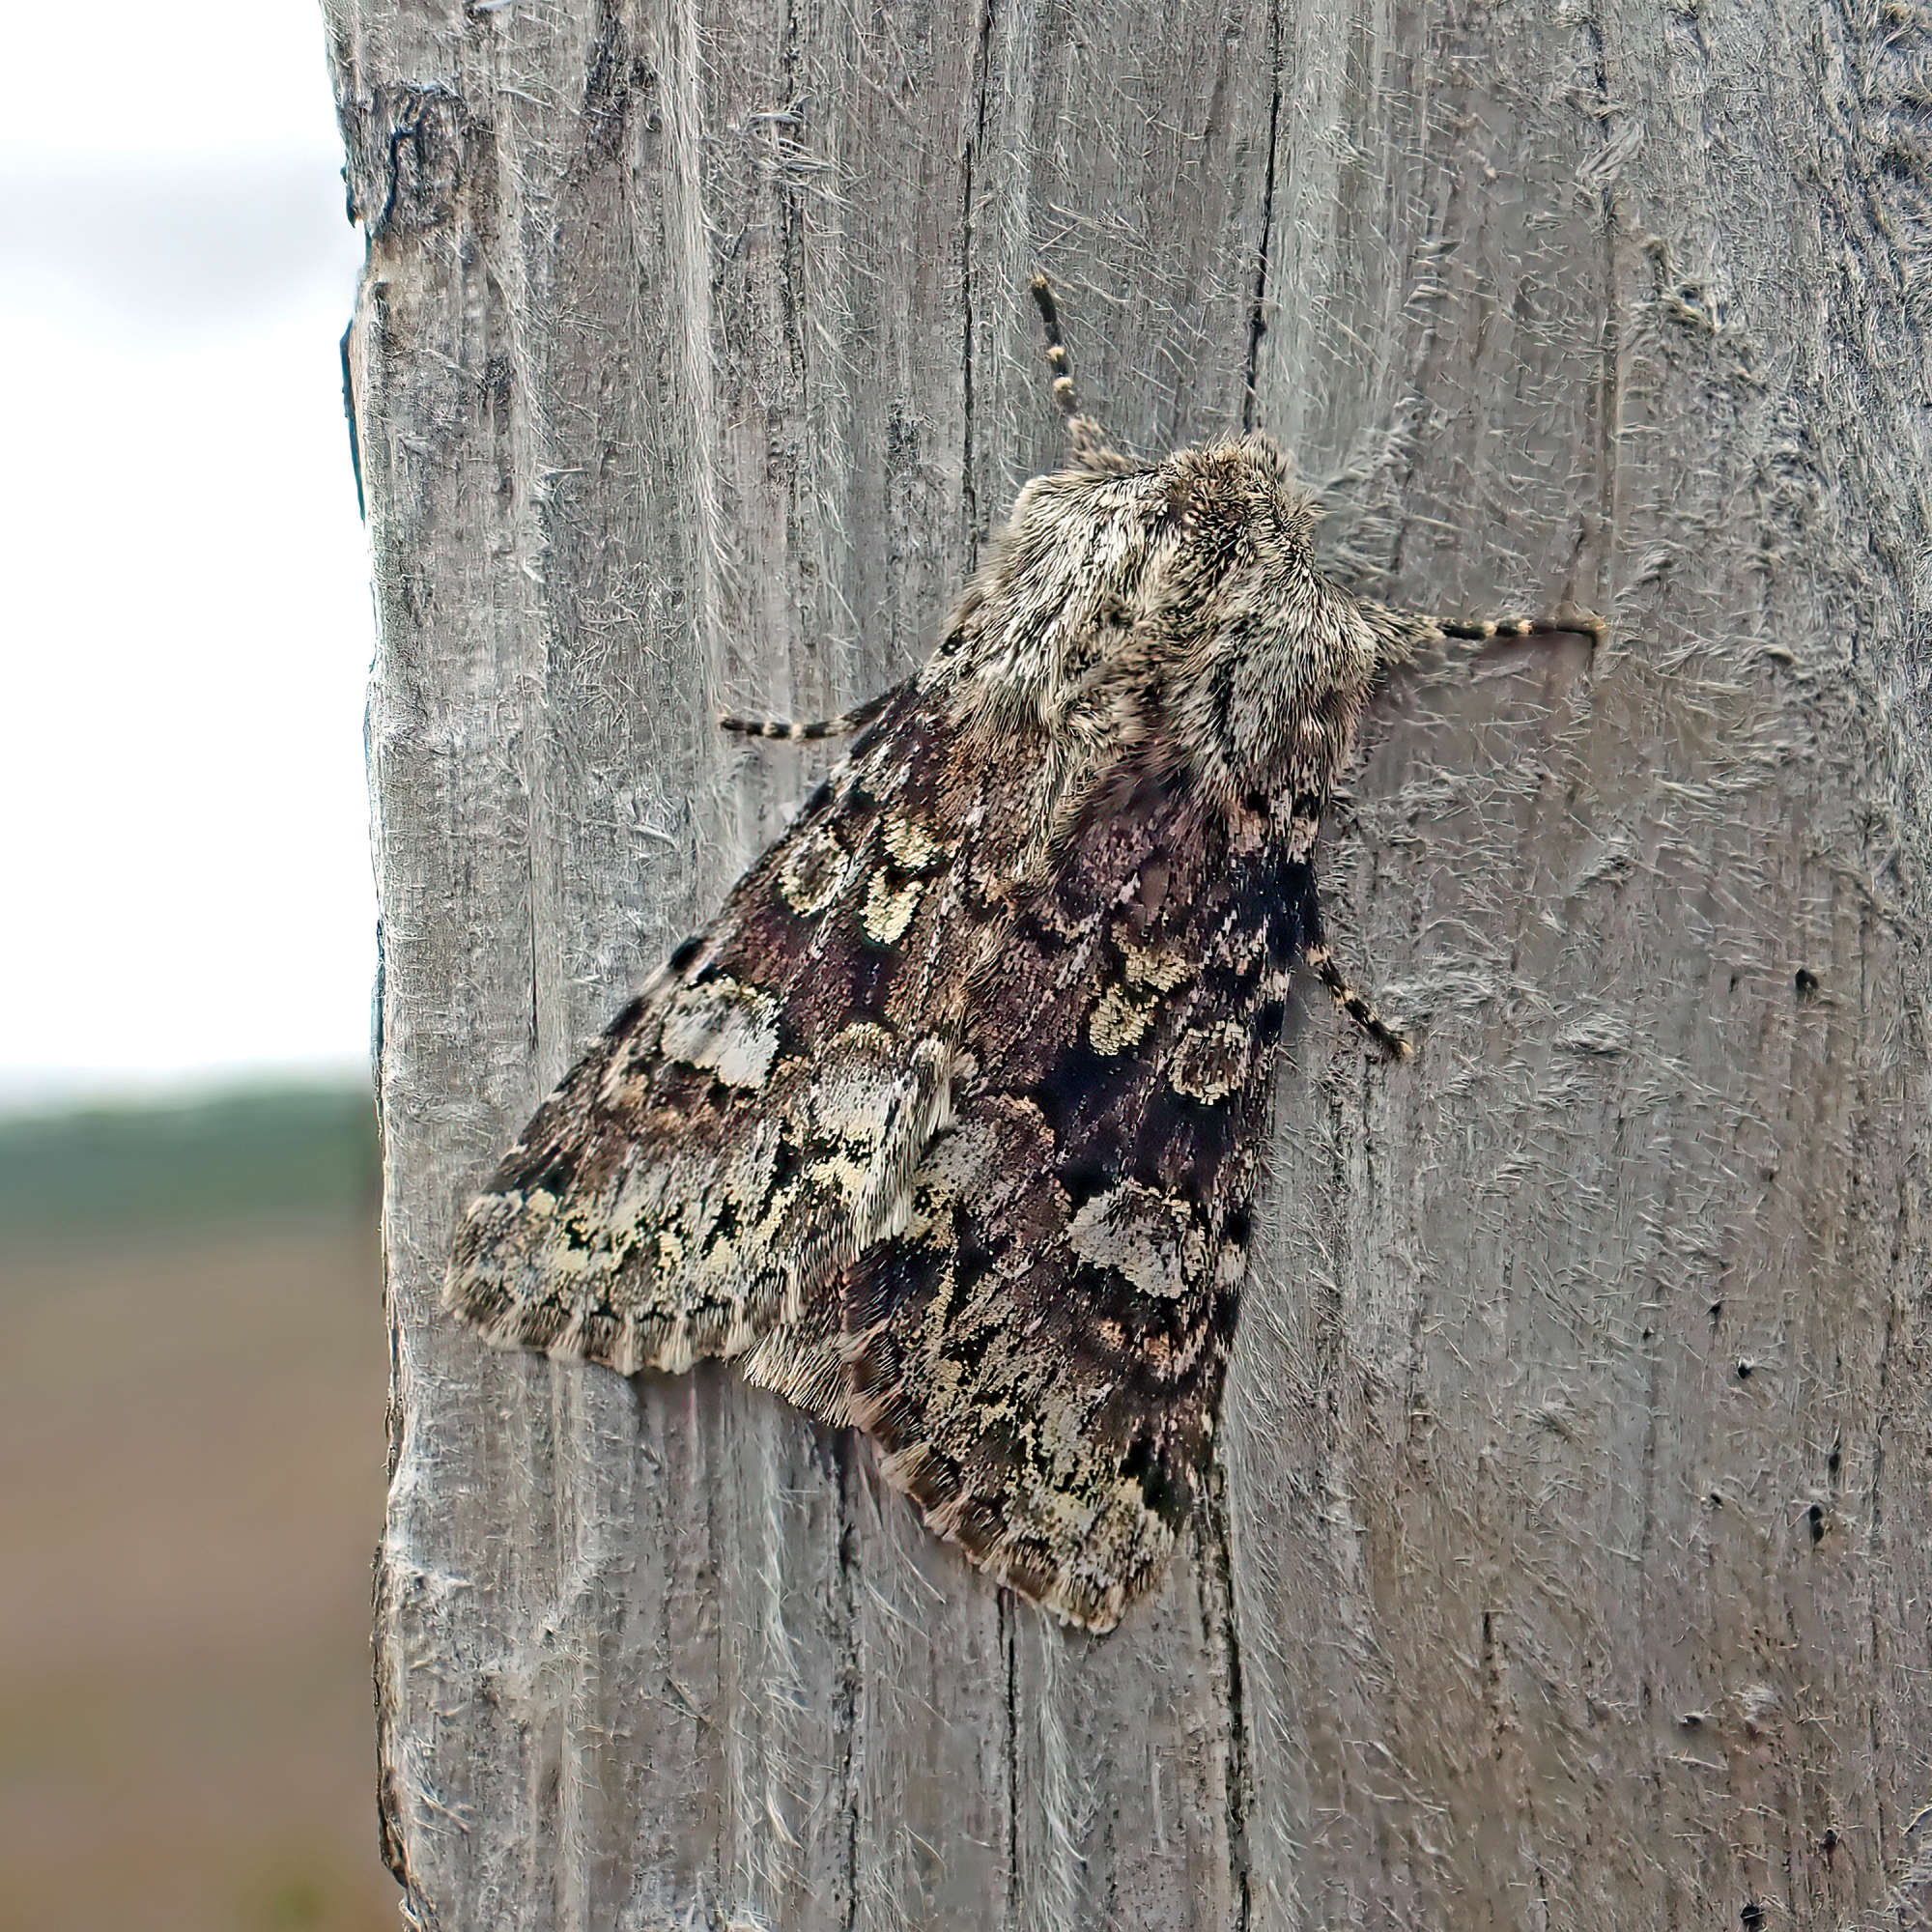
(1573, 1556)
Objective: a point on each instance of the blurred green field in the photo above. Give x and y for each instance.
(191, 1447)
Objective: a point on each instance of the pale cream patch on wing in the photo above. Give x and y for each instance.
(1148, 1236)
(813, 872)
(889, 912)
(908, 843)
(856, 1106)
(727, 1027)
(1124, 1013)
(1210, 1063)
(1117, 1022)
(1148, 966)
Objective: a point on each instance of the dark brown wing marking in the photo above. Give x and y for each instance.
(1040, 1354)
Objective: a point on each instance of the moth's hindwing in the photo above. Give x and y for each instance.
(752, 1121)
(1041, 1353)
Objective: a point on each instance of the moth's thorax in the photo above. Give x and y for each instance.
(1173, 615)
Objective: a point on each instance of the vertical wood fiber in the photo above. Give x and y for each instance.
(1573, 1565)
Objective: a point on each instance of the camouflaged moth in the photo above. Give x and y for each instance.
(948, 1127)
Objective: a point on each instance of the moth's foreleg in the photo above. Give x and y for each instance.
(1322, 963)
(799, 732)
(794, 730)
(1404, 635)
(1487, 630)
(1396, 1045)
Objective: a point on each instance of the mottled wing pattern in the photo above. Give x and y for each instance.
(751, 1120)
(1040, 1354)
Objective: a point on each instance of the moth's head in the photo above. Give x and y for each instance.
(1258, 667)
(1176, 608)
(1240, 532)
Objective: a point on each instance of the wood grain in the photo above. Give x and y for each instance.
(1575, 1555)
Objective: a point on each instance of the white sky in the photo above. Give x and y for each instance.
(186, 630)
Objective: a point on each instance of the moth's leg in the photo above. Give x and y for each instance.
(1086, 441)
(1404, 635)
(1322, 963)
(855, 720)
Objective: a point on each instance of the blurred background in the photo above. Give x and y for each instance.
(192, 1386)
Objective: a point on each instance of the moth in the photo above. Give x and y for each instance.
(948, 1127)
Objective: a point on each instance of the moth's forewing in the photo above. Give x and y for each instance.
(751, 1120)
(1040, 1355)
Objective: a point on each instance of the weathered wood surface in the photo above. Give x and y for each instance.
(1576, 1558)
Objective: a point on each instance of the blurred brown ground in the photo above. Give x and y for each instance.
(191, 1447)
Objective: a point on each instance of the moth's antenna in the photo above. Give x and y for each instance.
(1086, 441)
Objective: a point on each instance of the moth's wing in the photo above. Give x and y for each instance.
(752, 1121)
(1041, 1353)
